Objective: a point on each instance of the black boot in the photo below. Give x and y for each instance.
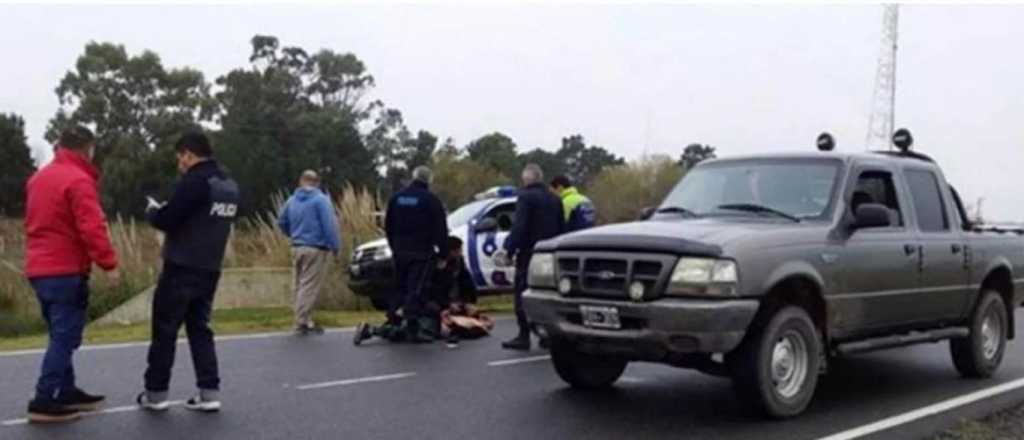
(363, 332)
(80, 400)
(520, 343)
(50, 411)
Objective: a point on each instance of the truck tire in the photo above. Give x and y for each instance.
(379, 303)
(775, 369)
(980, 353)
(585, 371)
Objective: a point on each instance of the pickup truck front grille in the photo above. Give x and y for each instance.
(609, 274)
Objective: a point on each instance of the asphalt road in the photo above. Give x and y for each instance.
(287, 387)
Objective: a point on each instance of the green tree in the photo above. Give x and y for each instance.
(138, 109)
(16, 164)
(549, 162)
(497, 151)
(582, 163)
(457, 180)
(621, 192)
(289, 111)
(694, 154)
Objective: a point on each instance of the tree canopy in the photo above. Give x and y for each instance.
(16, 164)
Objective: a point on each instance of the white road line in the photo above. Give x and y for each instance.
(927, 411)
(114, 410)
(180, 341)
(515, 361)
(338, 383)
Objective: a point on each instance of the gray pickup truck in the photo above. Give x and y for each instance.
(764, 268)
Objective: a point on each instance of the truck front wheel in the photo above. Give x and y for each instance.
(980, 353)
(582, 370)
(775, 369)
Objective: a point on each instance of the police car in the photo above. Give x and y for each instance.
(482, 225)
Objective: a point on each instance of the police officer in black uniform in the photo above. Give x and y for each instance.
(539, 216)
(417, 232)
(196, 222)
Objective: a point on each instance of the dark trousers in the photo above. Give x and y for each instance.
(413, 283)
(63, 301)
(522, 272)
(183, 295)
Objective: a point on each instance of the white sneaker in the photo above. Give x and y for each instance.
(146, 404)
(198, 404)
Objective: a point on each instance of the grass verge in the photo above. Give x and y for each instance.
(1004, 425)
(236, 322)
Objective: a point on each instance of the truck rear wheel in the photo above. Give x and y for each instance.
(585, 371)
(980, 353)
(775, 370)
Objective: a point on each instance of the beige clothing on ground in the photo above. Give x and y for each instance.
(309, 266)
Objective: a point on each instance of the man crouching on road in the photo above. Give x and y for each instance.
(196, 221)
(66, 233)
(308, 220)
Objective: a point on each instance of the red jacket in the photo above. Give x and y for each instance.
(64, 224)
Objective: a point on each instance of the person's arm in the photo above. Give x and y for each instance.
(440, 226)
(466, 287)
(389, 223)
(283, 221)
(520, 227)
(91, 224)
(190, 194)
(329, 224)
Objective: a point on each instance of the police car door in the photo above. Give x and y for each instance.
(487, 275)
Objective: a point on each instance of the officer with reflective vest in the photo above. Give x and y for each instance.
(579, 210)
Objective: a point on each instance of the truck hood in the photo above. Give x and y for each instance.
(691, 237)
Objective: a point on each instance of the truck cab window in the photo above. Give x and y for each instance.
(877, 187)
(928, 204)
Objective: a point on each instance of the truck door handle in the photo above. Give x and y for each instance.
(909, 249)
(956, 248)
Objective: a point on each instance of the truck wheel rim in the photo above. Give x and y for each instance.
(789, 364)
(991, 330)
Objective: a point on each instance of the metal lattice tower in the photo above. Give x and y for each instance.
(883, 104)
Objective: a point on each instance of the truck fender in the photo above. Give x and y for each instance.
(1007, 289)
(800, 270)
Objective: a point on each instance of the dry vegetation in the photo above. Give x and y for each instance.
(256, 242)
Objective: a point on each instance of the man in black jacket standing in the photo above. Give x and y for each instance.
(417, 231)
(196, 222)
(538, 217)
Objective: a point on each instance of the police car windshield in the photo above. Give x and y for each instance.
(466, 213)
(799, 189)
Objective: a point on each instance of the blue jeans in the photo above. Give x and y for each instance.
(63, 301)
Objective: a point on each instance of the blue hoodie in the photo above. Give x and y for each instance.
(308, 220)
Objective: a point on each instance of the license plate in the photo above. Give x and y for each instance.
(600, 317)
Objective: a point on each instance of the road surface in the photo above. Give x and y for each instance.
(287, 387)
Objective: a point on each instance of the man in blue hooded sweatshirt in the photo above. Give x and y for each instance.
(308, 219)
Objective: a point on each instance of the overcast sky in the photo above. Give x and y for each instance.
(633, 79)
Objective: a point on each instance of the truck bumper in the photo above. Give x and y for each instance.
(653, 331)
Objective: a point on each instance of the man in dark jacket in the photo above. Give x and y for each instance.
(417, 232)
(538, 217)
(66, 234)
(196, 222)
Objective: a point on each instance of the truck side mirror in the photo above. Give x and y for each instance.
(487, 224)
(871, 215)
(646, 213)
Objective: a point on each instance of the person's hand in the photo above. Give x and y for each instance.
(152, 204)
(114, 276)
(442, 264)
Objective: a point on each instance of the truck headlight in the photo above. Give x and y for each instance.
(703, 276)
(542, 271)
(382, 253)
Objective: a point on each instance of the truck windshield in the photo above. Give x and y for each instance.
(801, 189)
(466, 213)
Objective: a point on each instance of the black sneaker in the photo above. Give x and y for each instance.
(315, 330)
(301, 330)
(362, 333)
(519, 343)
(148, 404)
(199, 404)
(50, 411)
(80, 400)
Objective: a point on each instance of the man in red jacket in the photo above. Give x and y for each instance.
(66, 233)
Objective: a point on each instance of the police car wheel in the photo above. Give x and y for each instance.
(585, 371)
